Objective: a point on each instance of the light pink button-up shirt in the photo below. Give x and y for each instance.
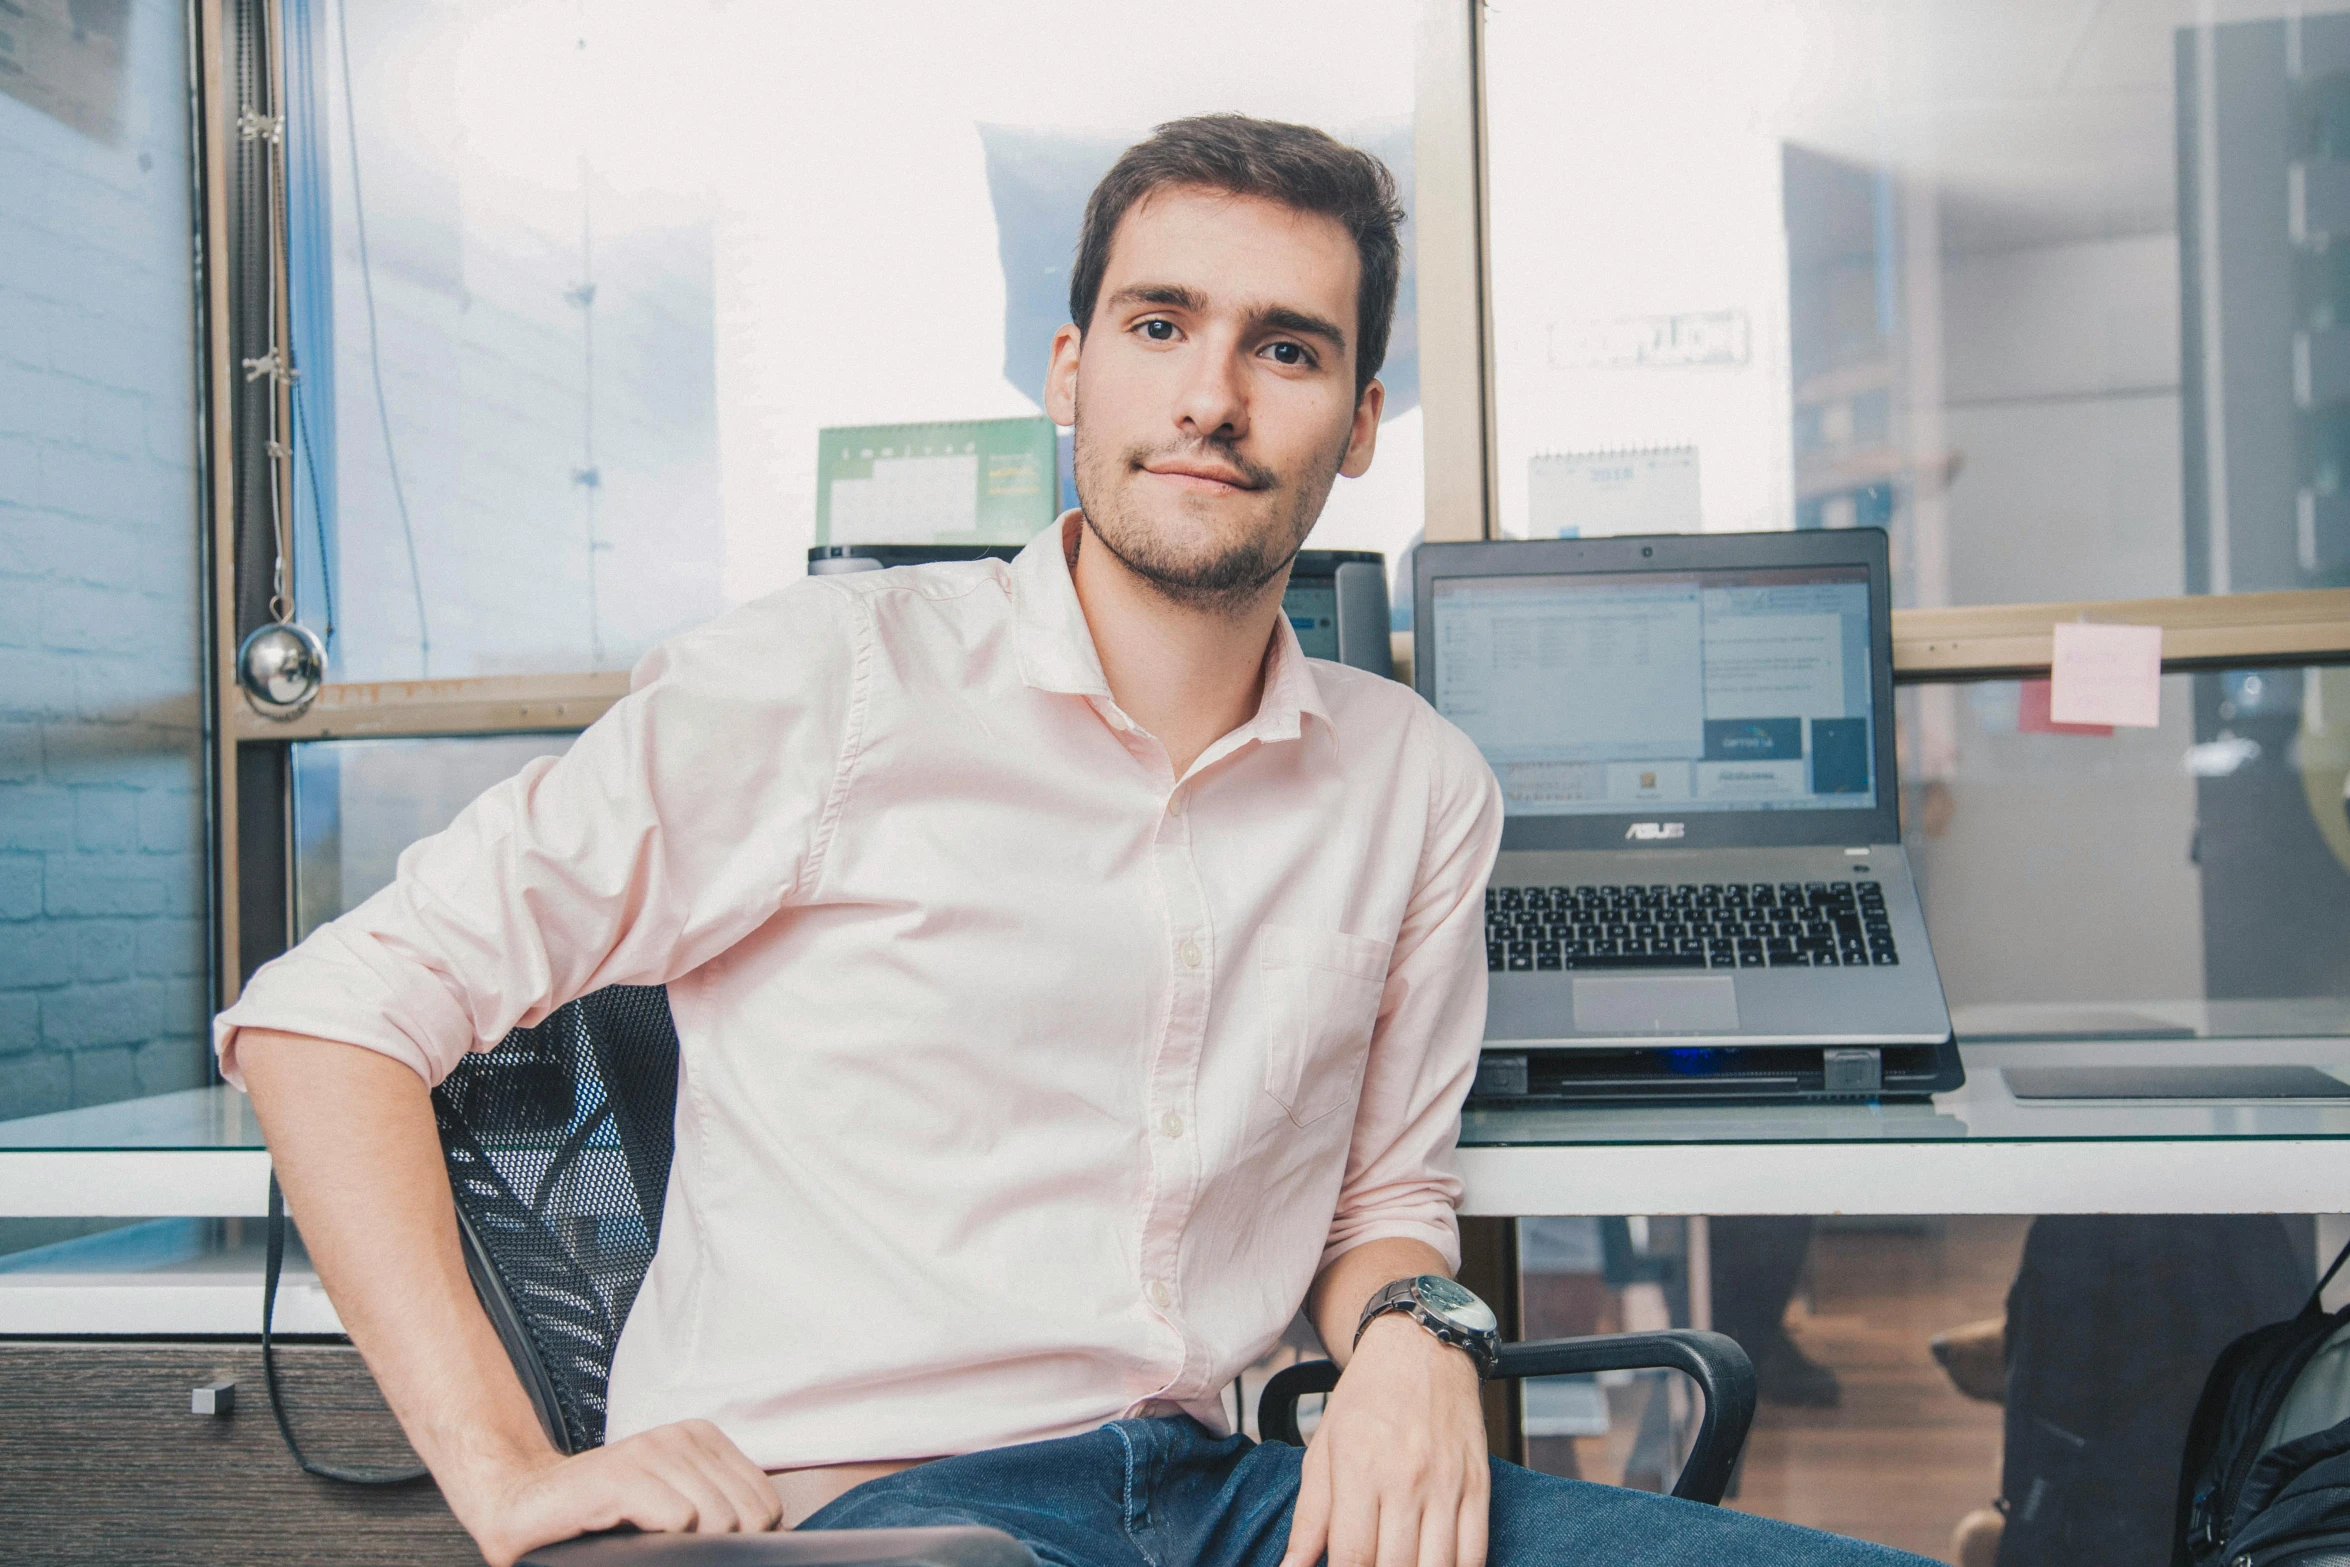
(1024, 1083)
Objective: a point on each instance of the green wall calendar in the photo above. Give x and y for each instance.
(973, 481)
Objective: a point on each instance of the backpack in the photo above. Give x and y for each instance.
(2113, 1323)
(2265, 1481)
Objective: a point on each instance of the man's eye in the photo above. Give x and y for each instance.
(1290, 354)
(1159, 331)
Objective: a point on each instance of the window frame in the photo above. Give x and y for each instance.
(241, 252)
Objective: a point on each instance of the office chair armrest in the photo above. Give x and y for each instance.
(960, 1547)
(1718, 1366)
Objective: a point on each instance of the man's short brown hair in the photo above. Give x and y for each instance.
(1295, 165)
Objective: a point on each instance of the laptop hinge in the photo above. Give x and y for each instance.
(1857, 1073)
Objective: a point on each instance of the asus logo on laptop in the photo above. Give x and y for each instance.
(1651, 832)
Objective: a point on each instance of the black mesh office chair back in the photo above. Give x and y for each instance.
(559, 1143)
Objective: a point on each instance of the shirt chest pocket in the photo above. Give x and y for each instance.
(1322, 993)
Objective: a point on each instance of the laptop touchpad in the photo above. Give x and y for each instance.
(1656, 1005)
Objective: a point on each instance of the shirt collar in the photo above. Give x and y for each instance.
(1057, 652)
(1291, 691)
(1056, 645)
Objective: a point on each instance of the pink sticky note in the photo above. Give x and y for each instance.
(2106, 675)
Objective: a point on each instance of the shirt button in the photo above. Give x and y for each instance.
(1175, 805)
(1171, 1124)
(1161, 1296)
(1189, 953)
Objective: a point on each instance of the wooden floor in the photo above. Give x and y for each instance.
(1905, 1456)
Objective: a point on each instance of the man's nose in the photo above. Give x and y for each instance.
(1212, 402)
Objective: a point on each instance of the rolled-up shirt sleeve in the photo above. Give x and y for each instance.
(655, 843)
(1401, 1178)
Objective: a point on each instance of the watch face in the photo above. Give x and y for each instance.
(1456, 1305)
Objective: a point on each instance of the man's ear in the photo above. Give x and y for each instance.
(1365, 433)
(1060, 377)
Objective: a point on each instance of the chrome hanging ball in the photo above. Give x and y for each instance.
(281, 667)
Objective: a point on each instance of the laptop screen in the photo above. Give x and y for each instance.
(1688, 691)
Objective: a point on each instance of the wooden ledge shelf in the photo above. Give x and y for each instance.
(2003, 641)
(1978, 642)
(391, 709)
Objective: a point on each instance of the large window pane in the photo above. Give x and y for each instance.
(578, 284)
(2028, 283)
(102, 860)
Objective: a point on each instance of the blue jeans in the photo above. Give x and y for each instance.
(1164, 1493)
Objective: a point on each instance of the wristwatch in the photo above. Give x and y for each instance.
(1445, 1309)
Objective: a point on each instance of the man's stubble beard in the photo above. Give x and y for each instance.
(1228, 582)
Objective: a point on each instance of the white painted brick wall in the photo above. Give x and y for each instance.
(101, 827)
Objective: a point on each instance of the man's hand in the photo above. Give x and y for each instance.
(1396, 1475)
(675, 1479)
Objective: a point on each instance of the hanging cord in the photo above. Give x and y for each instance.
(588, 476)
(304, 445)
(366, 1474)
(281, 328)
(278, 366)
(375, 361)
(255, 124)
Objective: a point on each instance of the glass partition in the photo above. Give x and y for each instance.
(2193, 877)
(103, 982)
(358, 803)
(2048, 291)
(573, 304)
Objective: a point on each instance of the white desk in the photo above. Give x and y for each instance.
(193, 1164)
(197, 1152)
(1979, 1149)
(198, 1155)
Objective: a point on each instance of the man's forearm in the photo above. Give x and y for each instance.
(352, 1138)
(1336, 1301)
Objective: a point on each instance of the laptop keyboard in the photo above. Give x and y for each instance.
(1816, 924)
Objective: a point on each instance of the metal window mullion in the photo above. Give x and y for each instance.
(1449, 220)
(256, 820)
(214, 117)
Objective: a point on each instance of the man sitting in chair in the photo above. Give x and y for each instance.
(1070, 978)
